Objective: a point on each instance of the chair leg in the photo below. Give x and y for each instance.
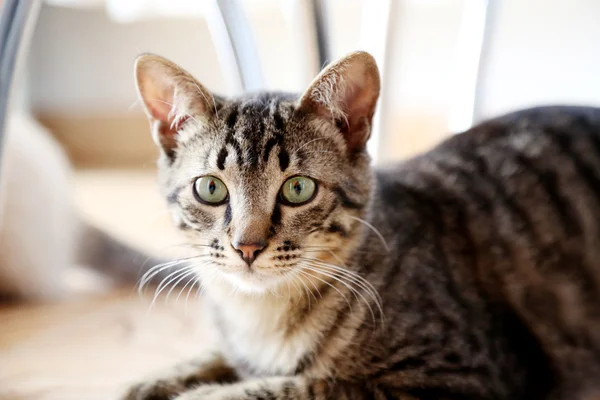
(235, 45)
(17, 22)
(319, 14)
(377, 28)
(471, 63)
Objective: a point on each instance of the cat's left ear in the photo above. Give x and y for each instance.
(346, 93)
(170, 95)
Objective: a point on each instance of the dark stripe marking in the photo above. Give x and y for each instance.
(337, 228)
(346, 201)
(584, 170)
(268, 147)
(279, 122)
(548, 181)
(174, 195)
(227, 215)
(232, 119)
(221, 158)
(230, 123)
(284, 159)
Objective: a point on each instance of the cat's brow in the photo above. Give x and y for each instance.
(253, 128)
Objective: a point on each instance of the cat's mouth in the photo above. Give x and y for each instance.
(275, 266)
(270, 269)
(257, 278)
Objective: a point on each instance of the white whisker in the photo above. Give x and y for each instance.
(191, 270)
(307, 291)
(152, 272)
(298, 289)
(135, 103)
(214, 103)
(307, 143)
(351, 274)
(341, 279)
(176, 109)
(316, 289)
(352, 278)
(160, 286)
(187, 297)
(157, 269)
(332, 275)
(368, 225)
(184, 286)
(327, 283)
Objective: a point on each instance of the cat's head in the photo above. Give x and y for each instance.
(268, 186)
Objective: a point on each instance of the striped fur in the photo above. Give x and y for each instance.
(480, 258)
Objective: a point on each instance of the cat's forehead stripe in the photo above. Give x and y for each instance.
(253, 129)
(221, 158)
(269, 146)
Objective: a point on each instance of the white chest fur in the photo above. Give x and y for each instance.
(254, 335)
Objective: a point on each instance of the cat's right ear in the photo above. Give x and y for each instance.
(346, 93)
(170, 96)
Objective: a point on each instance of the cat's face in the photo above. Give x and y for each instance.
(267, 187)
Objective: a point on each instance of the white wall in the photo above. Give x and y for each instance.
(419, 89)
(82, 62)
(543, 51)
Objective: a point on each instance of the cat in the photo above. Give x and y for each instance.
(41, 235)
(471, 271)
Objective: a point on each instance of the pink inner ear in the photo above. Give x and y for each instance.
(159, 102)
(159, 110)
(360, 96)
(158, 95)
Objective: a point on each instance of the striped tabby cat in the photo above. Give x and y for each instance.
(469, 272)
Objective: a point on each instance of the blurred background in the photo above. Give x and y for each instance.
(445, 63)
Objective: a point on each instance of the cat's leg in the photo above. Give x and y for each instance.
(291, 388)
(182, 377)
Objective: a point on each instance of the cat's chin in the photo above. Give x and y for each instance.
(253, 282)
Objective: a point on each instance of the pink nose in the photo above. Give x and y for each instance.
(249, 252)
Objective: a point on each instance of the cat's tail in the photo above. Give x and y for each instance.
(122, 263)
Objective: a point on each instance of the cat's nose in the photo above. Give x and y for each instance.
(249, 251)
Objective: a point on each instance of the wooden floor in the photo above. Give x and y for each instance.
(91, 349)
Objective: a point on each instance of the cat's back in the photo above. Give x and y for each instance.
(513, 206)
(546, 123)
(529, 179)
(547, 148)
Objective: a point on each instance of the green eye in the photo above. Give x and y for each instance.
(298, 190)
(210, 190)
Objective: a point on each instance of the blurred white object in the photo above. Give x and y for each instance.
(374, 38)
(472, 41)
(299, 16)
(76, 3)
(234, 42)
(226, 21)
(131, 10)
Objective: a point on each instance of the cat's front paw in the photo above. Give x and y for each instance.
(180, 378)
(215, 392)
(273, 388)
(154, 390)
